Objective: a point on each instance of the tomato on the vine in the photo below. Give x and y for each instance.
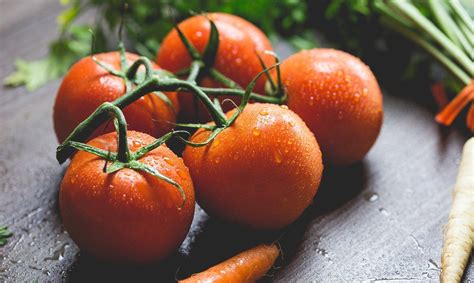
(239, 43)
(128, 215)
(261, 172)
(87, 85)
(339, 99)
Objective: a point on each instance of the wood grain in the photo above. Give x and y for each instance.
(381, 219)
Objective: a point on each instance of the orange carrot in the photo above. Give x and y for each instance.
(439, 95)
(247, 266)
(449, 113)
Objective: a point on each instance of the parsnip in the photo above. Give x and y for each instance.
(459, 232)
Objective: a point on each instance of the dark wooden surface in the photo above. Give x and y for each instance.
(381, 219)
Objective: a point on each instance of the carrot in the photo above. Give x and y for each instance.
(449, 113)
(439, 95)
(247, 266)
(459, 232)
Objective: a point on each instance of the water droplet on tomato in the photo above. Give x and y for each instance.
(284, 107)
(263, 113)
(311, 101)
(168, 160)
(340, 115)
(277, 156)
(181, 174)
(256, 132)
(136, 143)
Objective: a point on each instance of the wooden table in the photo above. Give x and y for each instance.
(381, 219)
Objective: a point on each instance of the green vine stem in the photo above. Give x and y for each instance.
(407, 9)
(142, 61)
(85, 129)
(239, 92)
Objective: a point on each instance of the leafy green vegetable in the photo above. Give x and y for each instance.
(146, 24)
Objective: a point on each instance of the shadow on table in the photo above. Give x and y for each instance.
(211, 241)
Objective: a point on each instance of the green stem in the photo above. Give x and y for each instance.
(221, 78)
(426, 26)
(194, 70)
(458, 73)
(448, 25)
(145, 149)
(87, 127)
(461, 13)
(172, 84)
(240, 93)
(142, 61)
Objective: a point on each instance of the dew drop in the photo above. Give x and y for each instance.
(256, 132)
(181, 174)
(284, 107)
(263, 113)
(168, 160)
(311, 101)
(372, 197)
(136, 144)
(383, 211)
(277, 156)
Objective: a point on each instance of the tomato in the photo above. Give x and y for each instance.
(236, 57)
(128, 215)
(261, 172)
(87, 85)
(339, 99)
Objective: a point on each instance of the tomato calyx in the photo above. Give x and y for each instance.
(124, 158)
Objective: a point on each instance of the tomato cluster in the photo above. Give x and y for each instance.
(127, 197)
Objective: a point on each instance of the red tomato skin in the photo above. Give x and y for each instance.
(239, 40)
(126, 216)
(339, 99)
(87, 85)
(262, 172)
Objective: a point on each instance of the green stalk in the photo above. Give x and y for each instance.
(392, 21)
(240, 93)
(221, 78)
(428, 27)
(449, 26)
(194, 70)
(142, 61)
(461, 13)
(100, 116)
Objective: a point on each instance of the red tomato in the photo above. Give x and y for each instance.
(339, 99)
(261, 172)
(87, 85)
(127, 215)
(236, 58)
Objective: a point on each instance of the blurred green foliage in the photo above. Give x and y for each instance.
(146, 23)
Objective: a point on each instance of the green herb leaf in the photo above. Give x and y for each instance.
(4, 235)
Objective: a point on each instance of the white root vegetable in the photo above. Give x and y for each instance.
(459, 232)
